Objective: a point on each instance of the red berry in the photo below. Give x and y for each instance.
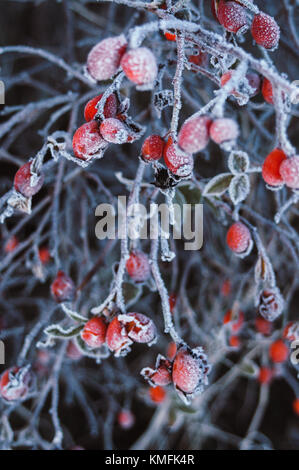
(126, 419)
(278, 351)
(223, 130)
(238, 238)
(171, 351)
(87, 141)
(11, 244)
(170, 36)
(157, 394)
(15, 383)
(234, 341)
(140, 66)
(265, 375)
(236, 322)
(73, 352)
(138, 266)
(104, 58)
(271, 304)
(62, 287)
(267, 91)
(114, 131)
(178, 162)
(26, 182)
(263, 326)
(161, 375)
(296, 406)
(139, 327)
(152, 148)
(265, 31)
(117, 338)
(190, 369)
(110, 107)
(44, 255)
(231, 16)
(194, 134)
(271, 166)
(289, 171)
(94, 332)
(200, 59)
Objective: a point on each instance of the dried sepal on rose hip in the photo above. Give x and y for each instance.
(94, 332)
(88, 142)
(270, 304)
(63, 288)
(239, 239)
(152, 148)
(194, 134)
(190, 372)
(110, 107)
(289, 171)
(265, 31)
(15, 383)
(231, 15)
(104, 58)
(138, 266)
(224, 131)
(140, 67)
(27, 182)
(139, 327)
(177, 161)
(271, 168)
(117, 338)
(160, 375)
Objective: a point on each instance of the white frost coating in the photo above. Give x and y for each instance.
(179, 162)
(224, 130)
(143, 331)
(104, 58)
(140, 66)
(194, 134)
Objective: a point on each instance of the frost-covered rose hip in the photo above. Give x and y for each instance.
(114, 131)
(94, 332)
(271, 304)
(138, 266)
(15, 383)
(26, 181)
(161, 375)
(194, 134)
(265, 31)
(190, 370)
(117, 338)
(87, 141)
(278, 351)
(271, 166)
(62, 287)
(140, 66)
(152, 148)
(104, 58)
(289, 171)
(267, 91)
(110, 107)
(139, 327)
(231, 15)
(238, 238)
(126, 419)
(224, 130)
(177, 161)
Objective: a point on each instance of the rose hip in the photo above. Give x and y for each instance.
(104, 58)
(194, 134)
(27, 182)
(140, 66)
(87, 141)
(110, 107)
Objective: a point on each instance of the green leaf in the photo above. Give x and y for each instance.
(73, 315)
(218, 185)
(56, 331)
(131, 293)
(191, 193)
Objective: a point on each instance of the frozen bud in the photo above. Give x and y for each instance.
(26, 181)
(177, 161)
(117, 338)
(139, 327)
(289, 171)
(265, 31)
(140, 66)
(190, 371)
(94, 332)
(104, 58)
(224, 130)
(194, 134)
(15, 383)
(88, 142)
(160, 375)
(114, 131)
(62, 288)
(271, 304)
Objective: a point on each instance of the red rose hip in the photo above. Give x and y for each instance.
(289, 171)
(27, 182)
(265, 31)
(271, 166)
(190, 369)
(278, 351)
(177, 161)
(15, 383)
(117, 338)
(138, 266)
(194, 134)
(87, 141)
(62, 288)
(140, 66)
(224, 130)
(152, 148)
(114, 131)
(104, 58)
(231, 15)
(110, 107)
(139, 327)
(94, 332)
(238, 238)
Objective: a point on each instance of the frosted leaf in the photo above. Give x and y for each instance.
(239, 188)
(162, 99)
(72, 314)
(218, 185)
(57, 331)
(238, 162)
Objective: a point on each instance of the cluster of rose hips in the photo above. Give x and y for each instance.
(279, 169)
(233, 16)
